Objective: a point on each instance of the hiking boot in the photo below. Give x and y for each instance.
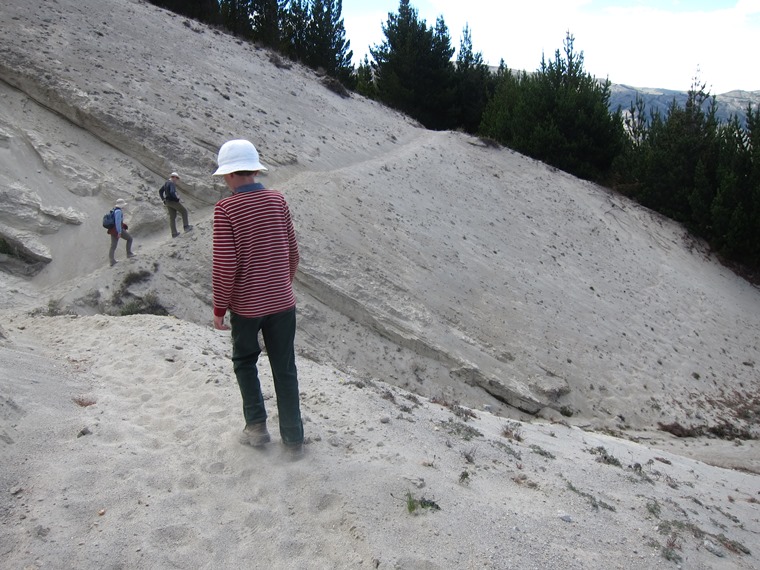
(188, 228)
(255, 435)
(294, 451)
(175, 235)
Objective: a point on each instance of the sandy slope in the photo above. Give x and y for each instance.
(150, 475)
(436, 270)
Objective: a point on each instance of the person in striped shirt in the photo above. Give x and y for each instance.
(255, 257)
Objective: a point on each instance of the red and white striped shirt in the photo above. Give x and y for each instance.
(255, 253)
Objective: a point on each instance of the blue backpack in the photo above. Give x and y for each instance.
(109, 220)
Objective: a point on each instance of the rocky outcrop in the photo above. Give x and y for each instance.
(23, 218)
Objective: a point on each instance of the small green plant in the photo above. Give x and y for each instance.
(464, 477)
(463, 413)
(412, 503)
(595, 503)
(641, 475)
(508, 449)
(412, 398)
(605, 457)
(146, 305)
(131, 278)
(462, 430)
(654, 508)
(669, 550)
(54, 309)
(673, 527)
(732, 545)
(469, 454)
(538, 450)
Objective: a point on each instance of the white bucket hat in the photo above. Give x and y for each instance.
(174, 175)
(238, 155)
(120, 204)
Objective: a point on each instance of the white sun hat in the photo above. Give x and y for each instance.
(236, 156)
(120, 203)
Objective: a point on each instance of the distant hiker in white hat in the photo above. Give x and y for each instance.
(255, 257)
(168, 195)
(119, 230)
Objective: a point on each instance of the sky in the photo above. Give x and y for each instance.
(642, 43)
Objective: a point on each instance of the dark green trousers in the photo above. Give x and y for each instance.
(279, 332)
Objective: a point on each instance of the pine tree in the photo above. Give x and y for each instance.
(412, 68)
(559, 115)
(474, 84)
(293, 34)
(235, 16)
(365, 82)
(498, 119)
(201, 10)
(266, 22)
(734, 228)
(674, 147)
(342, 55)
(326, 40)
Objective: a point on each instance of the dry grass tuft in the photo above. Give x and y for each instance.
(84, 401)
(511, 430)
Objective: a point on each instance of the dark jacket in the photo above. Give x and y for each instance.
(168, 192)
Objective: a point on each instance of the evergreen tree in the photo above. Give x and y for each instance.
(342, 55)
(326, 40)
(440, 111)
(294, 23)
(266, 22)
(201, 10)
(675, 146)
(474, 84)
(498, 119)
(235, 16)
(734, 225)
(753, 138)
(394, 58)
(627, 166)
(365, 83)
(559, 115)
(318, 36)
(706, 175)
(413, 70)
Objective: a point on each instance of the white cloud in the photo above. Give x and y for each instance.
(637, 45)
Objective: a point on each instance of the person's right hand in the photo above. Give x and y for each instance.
(219, 324)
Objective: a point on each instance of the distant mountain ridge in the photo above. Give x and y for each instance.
(728, 104)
